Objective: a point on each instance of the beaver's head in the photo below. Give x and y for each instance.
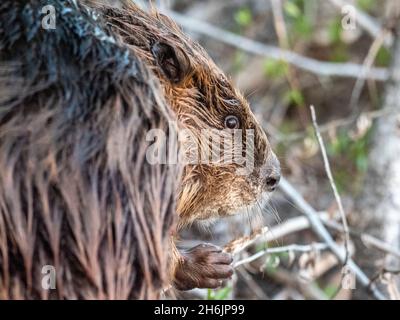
(206, 103)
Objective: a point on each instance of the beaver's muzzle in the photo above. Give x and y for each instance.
(272, 173)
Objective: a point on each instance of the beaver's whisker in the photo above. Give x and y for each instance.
(275, 211)
(292, 204)
(248, 216)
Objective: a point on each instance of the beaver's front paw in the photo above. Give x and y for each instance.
(204, 266)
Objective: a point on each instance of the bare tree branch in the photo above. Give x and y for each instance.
(321, 231)
(367, 65)
(322, 68)
(371, 115)
(367, 239)
(288, 248)
(332, 183)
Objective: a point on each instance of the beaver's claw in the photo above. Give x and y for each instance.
(203, 266)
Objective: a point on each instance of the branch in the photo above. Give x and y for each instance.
(298, 224)
(367, 65)
(367, 239)
(321, 231)
(332, 183)
(266, 235)
(292, 248)
(252, 284)
(371, 115)
(350, 70)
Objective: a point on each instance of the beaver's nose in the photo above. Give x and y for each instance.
(274, 174)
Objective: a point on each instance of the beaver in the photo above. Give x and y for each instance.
(203, 98)
(76, 189)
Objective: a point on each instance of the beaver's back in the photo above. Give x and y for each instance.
(76, 191)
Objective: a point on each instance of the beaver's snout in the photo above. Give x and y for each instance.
(273, 173)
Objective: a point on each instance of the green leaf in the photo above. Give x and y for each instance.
(295, 97)
(383, 57)
(243, 17)
(219, 294)
(291, 9)
(339, 53)
(238, 60)
(362, 163)
(366, 5)
(275, 68)
(335, 30)
(303, 27)
(223, 293)
(330, 291)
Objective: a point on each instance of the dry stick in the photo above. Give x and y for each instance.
(283, 40)
(298, 286)
(291, 247)
(332, 183)
(334, 188)
(350, 70)
(322, 232)
(298, 224)
(372, 115)
(367, 239)
(368, 62)
(266, 234)
(252, 284)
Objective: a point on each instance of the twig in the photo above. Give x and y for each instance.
(386, 276)
(332, 183)
(298, 224)
(301, 223)
(240, 244)
(366, 21)
(368, 62)
(303, 289)
(334, 188)
(266, 234)
(350, 70)
(367, 239)
(321, 231)
(291, 247)
(290, 226)
(252, 284)
(383, 271)
(283, 39)
(340, 123)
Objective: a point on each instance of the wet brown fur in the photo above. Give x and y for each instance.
(109, 237)
(76, 191)
(201, 101)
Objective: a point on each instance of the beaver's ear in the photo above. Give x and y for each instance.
(173, 61)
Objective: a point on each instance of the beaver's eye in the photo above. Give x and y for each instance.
(232, 122)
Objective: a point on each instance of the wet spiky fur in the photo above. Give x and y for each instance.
(76, 191)
(201, 102)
